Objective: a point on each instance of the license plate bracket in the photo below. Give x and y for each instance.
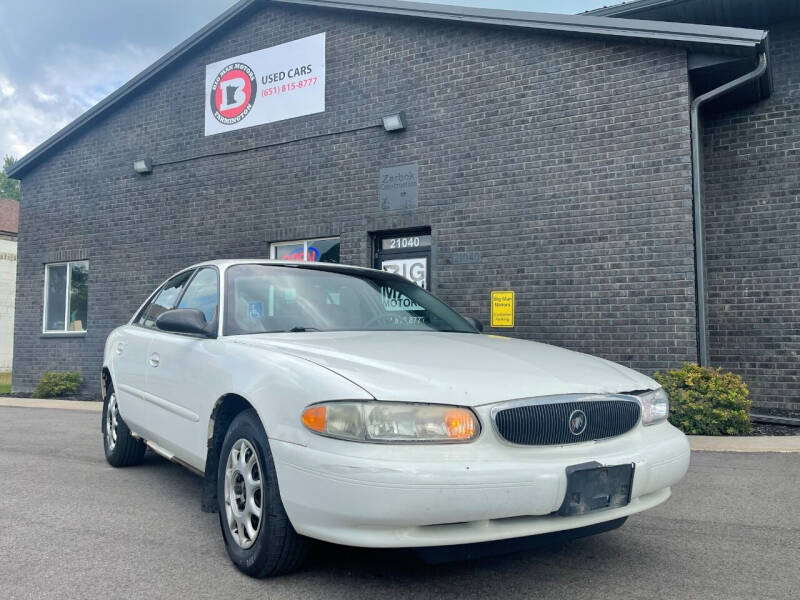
(593, 487)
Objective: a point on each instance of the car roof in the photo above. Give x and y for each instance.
(224, 263)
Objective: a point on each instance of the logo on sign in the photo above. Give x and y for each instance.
(233, 93)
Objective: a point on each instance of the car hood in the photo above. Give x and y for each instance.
(452, 368)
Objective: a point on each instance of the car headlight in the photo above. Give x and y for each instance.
(655, 406)
(392, 422)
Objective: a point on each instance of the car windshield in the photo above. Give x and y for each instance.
(277, 298)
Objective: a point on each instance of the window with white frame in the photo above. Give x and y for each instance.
(66, 293)
(315, 250)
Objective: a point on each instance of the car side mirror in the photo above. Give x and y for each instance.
(476, 323)
(191, 321)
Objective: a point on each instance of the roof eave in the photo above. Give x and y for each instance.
(738, 40)
(629, 8)
(722, 39)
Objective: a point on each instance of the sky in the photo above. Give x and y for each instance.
(57, 58)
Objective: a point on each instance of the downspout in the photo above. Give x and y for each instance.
(697, 191)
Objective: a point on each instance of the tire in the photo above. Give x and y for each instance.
(121, 448)
(269, 546)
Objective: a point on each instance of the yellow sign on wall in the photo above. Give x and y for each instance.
(503, 308)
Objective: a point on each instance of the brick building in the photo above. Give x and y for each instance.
(9, 219)
(751, 173)
(550, 155)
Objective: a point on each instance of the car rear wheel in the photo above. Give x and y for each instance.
(121, 448)
(258, 536)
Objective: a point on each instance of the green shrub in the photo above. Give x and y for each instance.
(705, 401)
(5, 383)
(56, 383)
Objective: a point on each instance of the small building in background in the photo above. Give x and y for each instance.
(9, 226)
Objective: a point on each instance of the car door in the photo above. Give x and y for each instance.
(128, 359)
(184, 374)
(131, 357)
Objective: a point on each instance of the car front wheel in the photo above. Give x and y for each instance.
(121, 448)
(259, 538)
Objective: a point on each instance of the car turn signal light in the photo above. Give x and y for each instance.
(460, 424)
(314, 418)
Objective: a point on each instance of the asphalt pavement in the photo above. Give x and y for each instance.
(73, 527)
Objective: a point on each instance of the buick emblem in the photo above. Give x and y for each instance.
(577, 422)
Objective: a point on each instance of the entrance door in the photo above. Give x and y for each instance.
(407, 254)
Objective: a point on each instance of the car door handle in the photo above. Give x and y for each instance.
(154, 359)
(120, 348)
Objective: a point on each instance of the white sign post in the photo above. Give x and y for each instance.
(282, 82)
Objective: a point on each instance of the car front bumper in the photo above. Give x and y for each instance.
(386, 496)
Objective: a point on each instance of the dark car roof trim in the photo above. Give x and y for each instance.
(711, 38)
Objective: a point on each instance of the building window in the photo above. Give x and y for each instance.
(318, 250)
(66, 293)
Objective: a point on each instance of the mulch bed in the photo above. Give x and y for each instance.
(772, 429)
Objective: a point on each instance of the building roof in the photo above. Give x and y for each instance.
(721, 40)
(9, 216)
(731, 13)
(726, 13)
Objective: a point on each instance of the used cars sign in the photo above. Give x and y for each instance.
(265, 86)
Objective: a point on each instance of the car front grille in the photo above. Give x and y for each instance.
(546, 421)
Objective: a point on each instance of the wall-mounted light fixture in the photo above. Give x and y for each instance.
(143, 165)
(395, 122)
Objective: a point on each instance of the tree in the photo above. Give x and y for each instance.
(9, 188)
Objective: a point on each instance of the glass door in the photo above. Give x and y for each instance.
(407, 254)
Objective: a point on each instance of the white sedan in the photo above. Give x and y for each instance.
(349, 405)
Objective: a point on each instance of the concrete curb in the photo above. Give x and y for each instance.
(699, 443)
(59, 404)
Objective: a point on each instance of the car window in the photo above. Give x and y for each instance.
(272, 298)
(202, 293)
(164, 300)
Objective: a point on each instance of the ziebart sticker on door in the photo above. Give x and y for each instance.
(273, 84)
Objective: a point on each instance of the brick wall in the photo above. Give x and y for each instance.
(752, 183)
(561, 163)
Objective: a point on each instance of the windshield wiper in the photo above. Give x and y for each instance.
(302, 329)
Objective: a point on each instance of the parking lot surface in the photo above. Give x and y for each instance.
(73, 527)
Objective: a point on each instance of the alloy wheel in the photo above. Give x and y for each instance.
(244, 493)
(112, 422)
